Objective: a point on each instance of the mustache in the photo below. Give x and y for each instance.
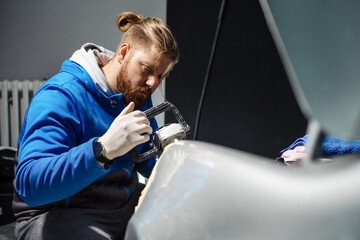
(146, 89)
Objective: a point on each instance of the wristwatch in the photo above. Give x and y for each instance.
(99, 152)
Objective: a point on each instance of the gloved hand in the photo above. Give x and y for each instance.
(128, 130)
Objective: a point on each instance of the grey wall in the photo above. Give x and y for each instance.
(37, 36)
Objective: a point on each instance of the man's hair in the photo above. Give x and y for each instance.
(140, 33)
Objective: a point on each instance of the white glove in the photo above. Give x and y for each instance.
(128, 130)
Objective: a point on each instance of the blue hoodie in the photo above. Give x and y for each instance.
(56, 162)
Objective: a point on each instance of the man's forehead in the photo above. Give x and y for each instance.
(154, 58)
(149, 51)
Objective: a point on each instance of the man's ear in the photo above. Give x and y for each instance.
(122, 52)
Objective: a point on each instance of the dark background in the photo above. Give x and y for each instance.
(249, 104)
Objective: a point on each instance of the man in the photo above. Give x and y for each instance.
(74, 178)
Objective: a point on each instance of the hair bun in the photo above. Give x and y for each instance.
(123, 22)
(126, 19)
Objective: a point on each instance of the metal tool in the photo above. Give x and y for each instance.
(163, 135)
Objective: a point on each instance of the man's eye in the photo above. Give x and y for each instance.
(147, 69)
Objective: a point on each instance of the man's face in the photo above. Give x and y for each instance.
(141, 73)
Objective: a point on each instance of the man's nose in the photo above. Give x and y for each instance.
(151, 81)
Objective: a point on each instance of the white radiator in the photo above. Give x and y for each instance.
(15, 97)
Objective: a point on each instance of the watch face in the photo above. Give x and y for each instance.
(99, 154)
(97, 149)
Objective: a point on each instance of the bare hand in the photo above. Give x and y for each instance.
(293, 156)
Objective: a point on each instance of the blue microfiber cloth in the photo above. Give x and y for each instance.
(331, 145)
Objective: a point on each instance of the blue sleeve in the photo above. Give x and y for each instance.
(336, 146)
(51, 166)
(298, 142)
(330, 145)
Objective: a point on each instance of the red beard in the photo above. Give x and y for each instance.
(129, 94)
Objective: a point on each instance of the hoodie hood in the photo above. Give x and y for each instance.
(91, 57)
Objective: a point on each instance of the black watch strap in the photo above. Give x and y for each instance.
(99, 152)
